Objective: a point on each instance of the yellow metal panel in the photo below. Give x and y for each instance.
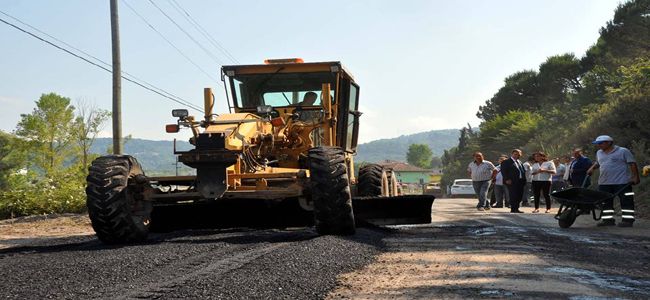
(287, 68)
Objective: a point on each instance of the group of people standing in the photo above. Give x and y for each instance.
(513, 180)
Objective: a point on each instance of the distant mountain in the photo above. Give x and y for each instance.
(157, 157)
(396, 148)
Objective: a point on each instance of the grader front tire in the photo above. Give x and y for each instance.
(115, 215)
(331, 191)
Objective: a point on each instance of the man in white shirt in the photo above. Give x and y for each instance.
(482, 172)
(618, 172)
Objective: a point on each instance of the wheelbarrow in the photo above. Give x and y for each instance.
(576, 201)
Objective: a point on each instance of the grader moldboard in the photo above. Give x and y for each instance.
(289, 143)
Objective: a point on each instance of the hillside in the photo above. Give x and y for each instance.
(396, 148)
(157, 156)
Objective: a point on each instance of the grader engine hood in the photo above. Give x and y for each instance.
(218, 148)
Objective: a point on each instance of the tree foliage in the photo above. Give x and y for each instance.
(47, 131)
(419, 155)
(569, 101)
(42, 166)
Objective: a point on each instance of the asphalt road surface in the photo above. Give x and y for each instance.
(463, 254)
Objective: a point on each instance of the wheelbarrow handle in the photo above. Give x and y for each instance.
(623, 188)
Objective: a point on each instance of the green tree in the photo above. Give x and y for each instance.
(505, 132)
(558, 77)
(11, 157)
(436, 162)
(622, 40)
(625, 113)
(419, 155)
(520, 92)
(48, 131)
(89, 121)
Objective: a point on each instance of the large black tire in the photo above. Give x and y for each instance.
(330, 190)
(115, 213)
(373, 181)
(567, 218)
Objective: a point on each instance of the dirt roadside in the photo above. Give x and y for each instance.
(27, 231)
(470, 254)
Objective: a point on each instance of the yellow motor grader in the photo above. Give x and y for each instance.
(291, 139)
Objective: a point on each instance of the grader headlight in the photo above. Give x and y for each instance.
(180, 113)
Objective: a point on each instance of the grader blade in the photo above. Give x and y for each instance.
(407, 209)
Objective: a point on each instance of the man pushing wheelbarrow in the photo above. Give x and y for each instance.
(618, 172)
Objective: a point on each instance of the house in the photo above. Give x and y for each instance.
(407, 173)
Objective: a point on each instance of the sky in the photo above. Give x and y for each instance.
(421, 65)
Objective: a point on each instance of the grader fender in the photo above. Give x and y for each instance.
(406, 209)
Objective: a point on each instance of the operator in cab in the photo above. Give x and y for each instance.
(308, 100)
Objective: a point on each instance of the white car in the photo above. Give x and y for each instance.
(462, 187)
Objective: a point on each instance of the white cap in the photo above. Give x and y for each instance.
(603, 138)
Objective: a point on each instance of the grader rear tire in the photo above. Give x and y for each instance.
(115, 215)
(331, 191)
(373, 181)
(393, 184)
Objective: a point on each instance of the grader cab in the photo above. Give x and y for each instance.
(288, 141)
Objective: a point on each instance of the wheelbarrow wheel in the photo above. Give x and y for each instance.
(567, 217)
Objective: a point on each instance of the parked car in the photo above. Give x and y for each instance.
(462, 187)
(433, 189)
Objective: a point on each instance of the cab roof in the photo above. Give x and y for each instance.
(290, 67)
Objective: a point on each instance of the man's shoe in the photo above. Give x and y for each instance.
(497, 206)
(625, 224)
(606, 223)
(480, 208)
(487, 208)
(516, 212)
(525, 204)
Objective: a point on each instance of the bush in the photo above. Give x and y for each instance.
(26, 195)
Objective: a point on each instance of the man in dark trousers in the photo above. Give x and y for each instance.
(618, 172)
(578, 169)
(514, 177)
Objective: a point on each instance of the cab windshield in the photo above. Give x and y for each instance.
(280, 89)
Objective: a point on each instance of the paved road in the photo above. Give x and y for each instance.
(464, 253)
(202, 264)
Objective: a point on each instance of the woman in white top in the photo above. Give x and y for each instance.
(542, 171)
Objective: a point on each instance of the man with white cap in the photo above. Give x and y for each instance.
(618, 172)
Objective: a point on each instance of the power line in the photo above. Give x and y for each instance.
(167, 40)
(202, 30)
(217, 60)
(187, 103)
(95, 64)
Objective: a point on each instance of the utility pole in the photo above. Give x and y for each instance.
(117, 81)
